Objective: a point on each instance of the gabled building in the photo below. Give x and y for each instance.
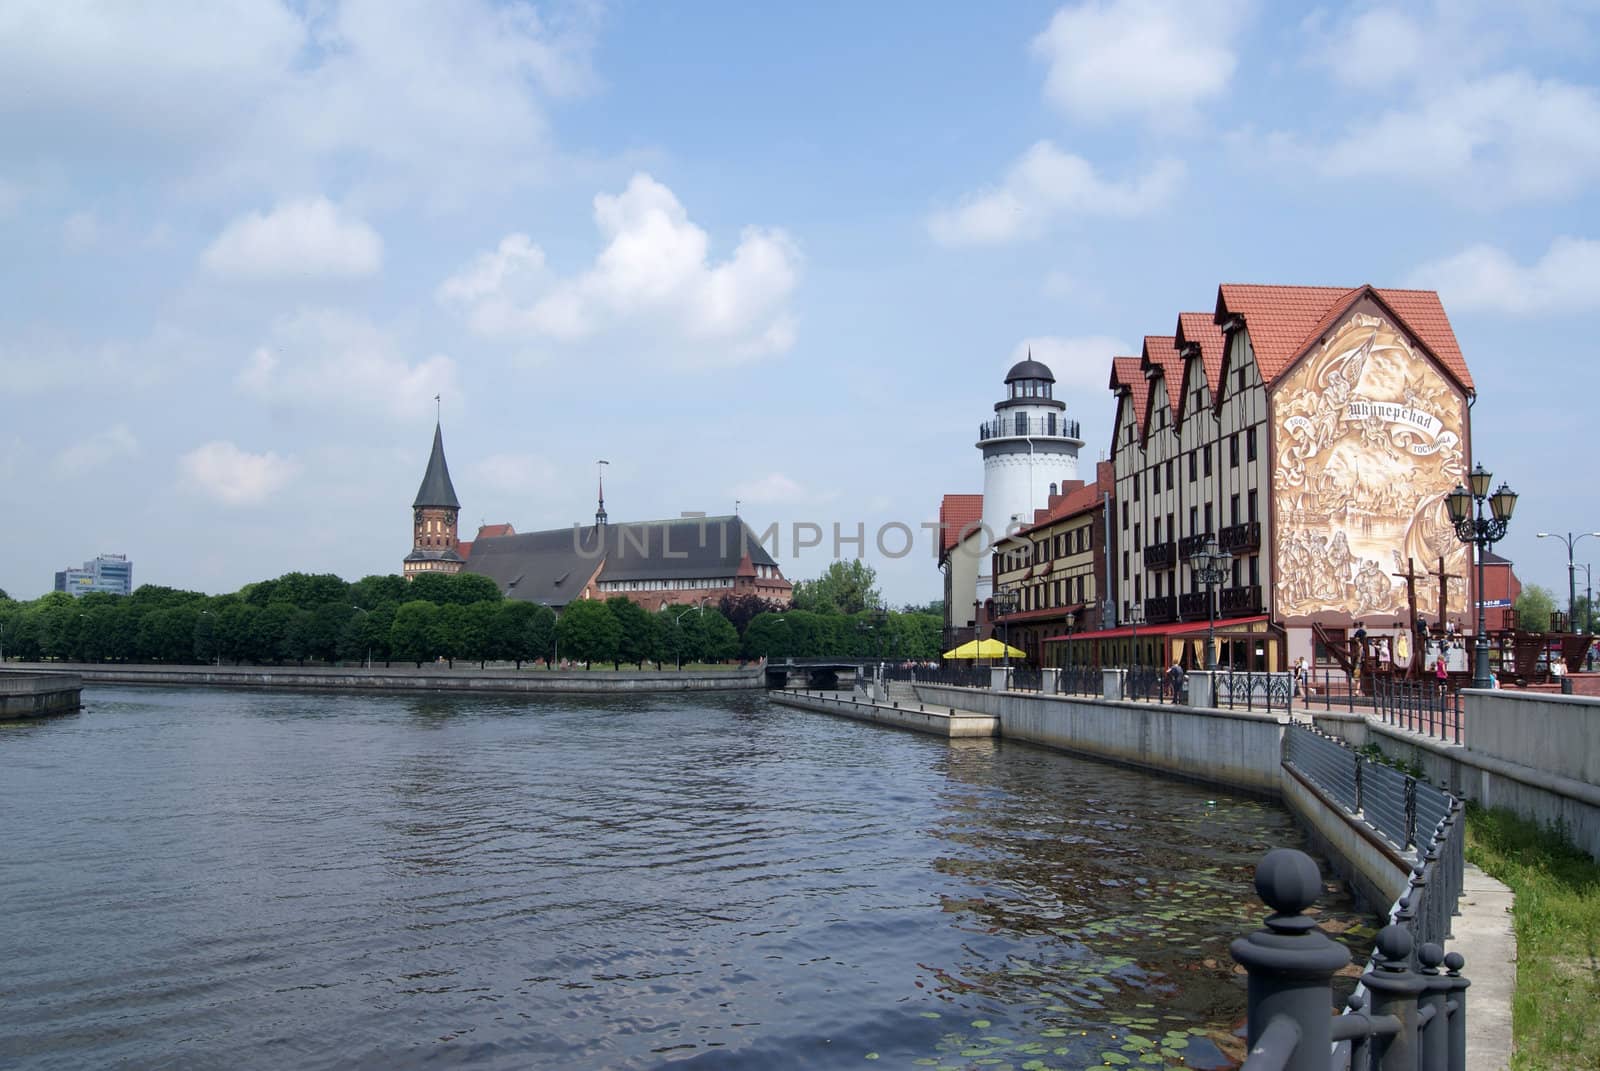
(960, 548)
(1313, 432)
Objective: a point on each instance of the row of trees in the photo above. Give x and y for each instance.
(304, 618)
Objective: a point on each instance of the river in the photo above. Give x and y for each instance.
(246, 879)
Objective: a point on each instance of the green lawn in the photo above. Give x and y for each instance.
(1556, 1012)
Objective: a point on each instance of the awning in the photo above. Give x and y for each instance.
(1185, 628)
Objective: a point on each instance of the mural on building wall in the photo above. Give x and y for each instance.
(1369, 440)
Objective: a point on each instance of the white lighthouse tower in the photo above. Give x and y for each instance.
(1029, 445)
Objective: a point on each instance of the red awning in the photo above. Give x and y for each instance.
(1184, 629)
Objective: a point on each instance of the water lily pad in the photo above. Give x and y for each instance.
(980, 1024)
(1116, 1059)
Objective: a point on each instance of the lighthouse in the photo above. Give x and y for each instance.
(1028, 446)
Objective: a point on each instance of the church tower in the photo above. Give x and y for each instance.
(1027, 447)
(433, 519)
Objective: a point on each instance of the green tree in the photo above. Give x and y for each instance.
(448, 633)
(431, 587)
(637, 637)
(767, 636)
(1534, 606)
(721, 639)
(478, 631)
(236, 631)
(323, 630)
(370, 592)
(411, 637)
(468, 588)
(845, 587)
(269, 631)
(207, 640)
(588, 631)
(522, 631)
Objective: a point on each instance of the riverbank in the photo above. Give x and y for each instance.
(38, 695)
(429, 678)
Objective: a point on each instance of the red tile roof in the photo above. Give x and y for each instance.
(1285, 321)
(464, 549)
(1080, 498)
(1162, 352)
(956, 514)
(1125, 373)
(494, 531)
(1200, 329)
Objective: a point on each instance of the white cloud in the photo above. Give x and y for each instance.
(515, 473)
(226, 474)
(310, 238)
(1047, 185)
(1374, 50)
(80, 230)
(434, 101)
(97, 449)
(337, 360)
(774, 487)
(1566, 279)
(1501, 137)
(1082, 365)
(653, 275)
(1150, 59)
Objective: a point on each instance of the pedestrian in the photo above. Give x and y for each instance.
(1440, 673)
(1300, 670)
(1175, 677)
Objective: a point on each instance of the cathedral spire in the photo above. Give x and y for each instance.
(436, 489)
(600, 513)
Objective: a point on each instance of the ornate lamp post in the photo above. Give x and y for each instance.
(1005, 603)
(1482, 532)
(1570, 540)
(1072, 651)
(1135, 618)
(1210, 565)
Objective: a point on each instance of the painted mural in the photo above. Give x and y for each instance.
(1369, 439)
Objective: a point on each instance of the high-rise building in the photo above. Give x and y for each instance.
(112, 573)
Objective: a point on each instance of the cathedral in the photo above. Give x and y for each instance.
(685, 561)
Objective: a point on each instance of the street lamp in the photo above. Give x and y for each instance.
(1210, 565)
(1072, 650)
(1482, 532)
(701, 607)
(1135, 618)
(1570, 540)
(1005, 602)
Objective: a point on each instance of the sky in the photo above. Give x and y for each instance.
(772, 255)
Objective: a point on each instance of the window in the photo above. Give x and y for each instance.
(1252, 507)
(1255, 570)
(1156, 537)
(1233, 450)
(1192, 465)
(1136, 544)
(1250, 444)
(1050, 423)
(1208, 527)
(1137, 480)
(1124, 515)
(1124, 565)
(1169, 474)
(1172, 527)
(1022, 424)
(1136, 595)
(1194, 519)
(1155, 480)
(1233, 509)
(1236, 572)
(1240, 376)
(1088, 537)
(1207, 451)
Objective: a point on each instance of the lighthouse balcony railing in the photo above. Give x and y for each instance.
(1022, 426)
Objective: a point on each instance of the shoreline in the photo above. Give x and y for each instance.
(430, 678)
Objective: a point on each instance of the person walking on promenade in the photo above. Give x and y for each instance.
(1175, 677)
(1300, 671)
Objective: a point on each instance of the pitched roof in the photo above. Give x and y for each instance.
(1125, 373)
(436, 489)
(1074, 502)
(1200, 329)
(1285, 321)
(956, 514)
(551, 567)
(1161, 351)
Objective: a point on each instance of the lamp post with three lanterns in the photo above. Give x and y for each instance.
(1466, 514)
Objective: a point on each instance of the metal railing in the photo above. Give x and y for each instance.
(1405, 1015)
(1392, 802)
(1025, 679)
(1147, 684)
(955, 674)
(1081, 680)
(1423, 706)
(1253, 691)
(1018, 426)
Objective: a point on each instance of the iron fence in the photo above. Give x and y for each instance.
(1147, 684)
(1253, 691)
(1025, 679)
(955, 674)
(1081, 680)
(1405, 1016)
(1421, 706)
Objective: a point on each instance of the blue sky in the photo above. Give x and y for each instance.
(776, 254)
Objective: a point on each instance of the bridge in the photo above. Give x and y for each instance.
(819, 674)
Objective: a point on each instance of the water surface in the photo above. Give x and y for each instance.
(204, 878)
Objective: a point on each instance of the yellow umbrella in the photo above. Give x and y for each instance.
(990, 648)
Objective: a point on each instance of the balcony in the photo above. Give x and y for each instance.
(1237, 537)
(1191, 543)
(1160, 610)
(1192, 606)
(1021, 426)
(1161, 555)
(1238, 601)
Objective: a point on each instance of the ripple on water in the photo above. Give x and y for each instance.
(276, 880)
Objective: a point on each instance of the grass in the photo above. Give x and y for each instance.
(1556, 1011)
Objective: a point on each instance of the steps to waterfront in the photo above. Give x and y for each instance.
(949, 722)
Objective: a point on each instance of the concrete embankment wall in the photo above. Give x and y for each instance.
(431, 678)
(1554, 724)
(38, 695)
(941, 721)
(1235, 749)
